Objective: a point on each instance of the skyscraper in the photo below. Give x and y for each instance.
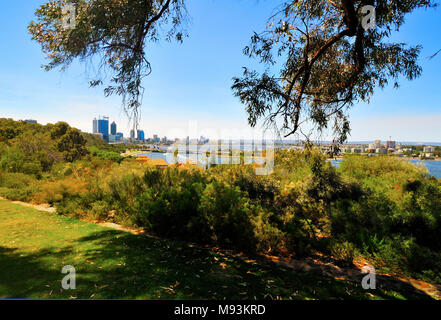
(141, 135)
(113, 129)
(95, 125)
(101, 126)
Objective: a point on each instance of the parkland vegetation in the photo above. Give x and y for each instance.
(382, 210)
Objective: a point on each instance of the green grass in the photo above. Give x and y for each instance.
(34, 246)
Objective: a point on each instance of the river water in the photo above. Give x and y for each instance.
(434, 167)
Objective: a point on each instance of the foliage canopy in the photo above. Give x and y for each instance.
(329, 61)
(114, 32)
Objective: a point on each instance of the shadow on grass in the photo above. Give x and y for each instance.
(115, 264)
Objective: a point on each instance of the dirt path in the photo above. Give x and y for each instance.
(48, 208)
(40, 207)
(319, 265)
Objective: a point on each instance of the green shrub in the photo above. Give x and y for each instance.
(124, 190)
(32, 168)
(73, 207)
(12, 159)
(344, 250)
(270, 239)
(100, 210)
(23, 194)
(228, 214)
(172, 213)
(106, 155)
(15, 180)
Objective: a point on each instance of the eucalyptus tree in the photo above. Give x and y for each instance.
(111, 33)
(327, 58)
(321, 57)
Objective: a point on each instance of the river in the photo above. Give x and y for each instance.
(433, 166)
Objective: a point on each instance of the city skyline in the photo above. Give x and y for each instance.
(202, 93)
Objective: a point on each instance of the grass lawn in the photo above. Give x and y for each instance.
(34, 246)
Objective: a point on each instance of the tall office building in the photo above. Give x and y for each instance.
(141, 135)
(101, 126)
(132, 134)
(95, 125)
(113, 129)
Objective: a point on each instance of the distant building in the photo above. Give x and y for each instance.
(429, 149)
(203, 140)
(132, 134)
(390, 144)
(140, 135)
(120, 135)
(95, 126)
(31, 121)
(427, 155)
(101, 125)
(113, 129)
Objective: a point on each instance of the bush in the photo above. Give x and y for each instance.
(15, 180)
(106, 155)
(23, 194)
(169, 206)
(270, 239)
(228, 215)
(73, 207)
(100, 210)
(12, 160)
(344, 250)
(57, 191)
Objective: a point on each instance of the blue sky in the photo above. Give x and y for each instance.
(191, 82)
